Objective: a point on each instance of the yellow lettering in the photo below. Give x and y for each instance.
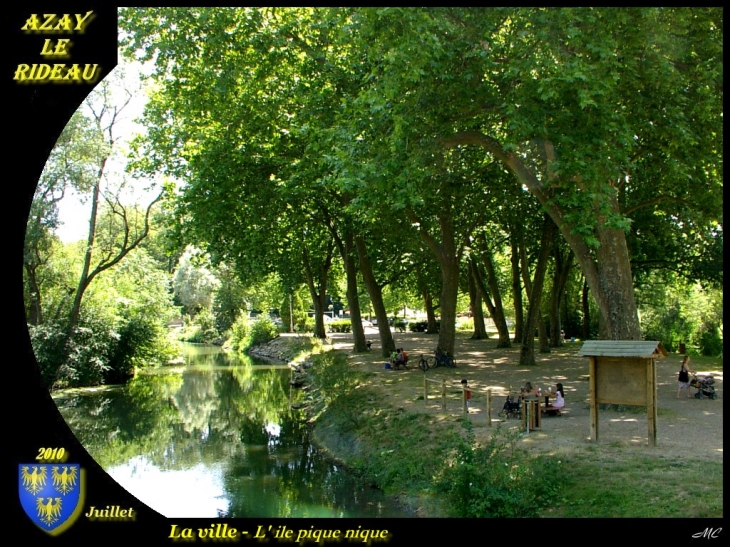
(74, 73)
(93, 76)
(56, 72)
(62, 47)
(50, 17)
(21, 73)
(31, 23)
(82, 23)
(43, 72)
(47, 49)
(64, 23)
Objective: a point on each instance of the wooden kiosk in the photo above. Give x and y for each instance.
(623, 372)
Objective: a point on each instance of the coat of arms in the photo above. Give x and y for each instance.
(51, 494)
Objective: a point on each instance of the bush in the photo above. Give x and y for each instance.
(497, 480)
(422, 326)
(339, 326)
(82, 361)
(239, 333)
(261, 331)
(711, 342)
(305, 324)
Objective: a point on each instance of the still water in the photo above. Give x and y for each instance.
(216, 437)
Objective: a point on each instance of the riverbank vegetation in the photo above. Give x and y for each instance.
(434, 467)
(437, 468)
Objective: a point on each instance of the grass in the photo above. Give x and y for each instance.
(419, 457)
(639, 487)
(416, 455)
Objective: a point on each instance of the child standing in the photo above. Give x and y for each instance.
(465, 387)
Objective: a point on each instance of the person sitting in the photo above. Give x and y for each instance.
(404, 356)
(559, 402)
(399, 358)
(511, 407)
(528, 392)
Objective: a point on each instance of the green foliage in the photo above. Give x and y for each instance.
(141, 341)
(673, 312)
(239, 333)
(202, 329)
(260, 332)
(305, 324)
(497, 480)
(711, 342)
(297, 308)
(339, 326)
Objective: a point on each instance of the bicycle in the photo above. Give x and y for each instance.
(425, 363)
(439, 359)
(443, 359)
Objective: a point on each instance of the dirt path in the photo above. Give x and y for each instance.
(687, 428)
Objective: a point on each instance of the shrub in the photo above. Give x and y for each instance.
(339, 326)
(497, 480)
(239, 332)
(711, 342)
(82, 361)
(422, 326)
(305, 324)
(400, 325)
(261, 331)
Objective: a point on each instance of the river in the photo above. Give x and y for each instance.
(215, 437)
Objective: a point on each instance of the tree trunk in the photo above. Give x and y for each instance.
(449, 263)
(448, 257)
(387, 343)
(500, 321)
(563, 265)
(619, 317)
(499, 316)
(527, 351)
(84, 279)
(475, 300)
(542, 333)
(347, 251)
(35, 313)
(517, 291)
(318, 290)
(431, 326)
(586, 312)
(607, 269)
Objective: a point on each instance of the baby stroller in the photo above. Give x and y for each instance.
(511, 408)
(705, 387)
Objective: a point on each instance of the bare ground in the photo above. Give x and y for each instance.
(690, 429)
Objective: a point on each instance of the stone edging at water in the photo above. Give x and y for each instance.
(281, 350)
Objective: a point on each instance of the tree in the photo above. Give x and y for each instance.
(571, 101)
(70, 166)
(194, 283)
(124, 227)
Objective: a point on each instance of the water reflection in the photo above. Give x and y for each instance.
(215, 438)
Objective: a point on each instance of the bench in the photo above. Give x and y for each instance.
(551, 411)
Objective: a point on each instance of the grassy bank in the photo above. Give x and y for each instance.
(435, 466)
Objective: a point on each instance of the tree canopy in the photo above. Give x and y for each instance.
(275, 118)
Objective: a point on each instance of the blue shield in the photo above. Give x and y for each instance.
(52, 494)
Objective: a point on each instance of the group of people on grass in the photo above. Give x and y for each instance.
(528, 392)
(399, 358)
